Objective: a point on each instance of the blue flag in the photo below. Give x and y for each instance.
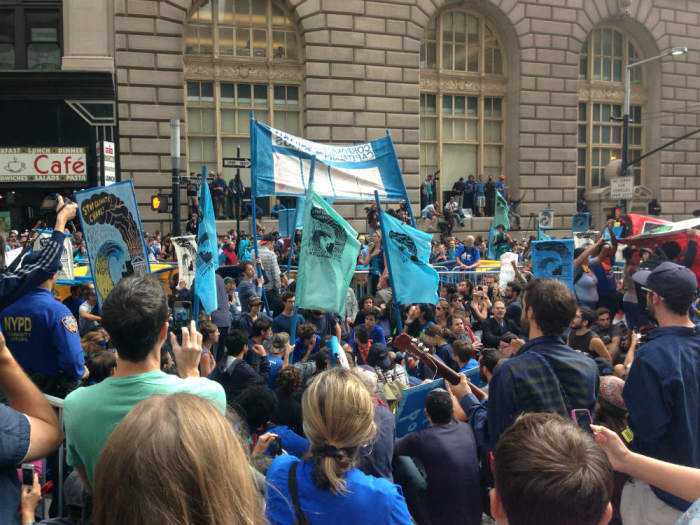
(329, 249)
(491, 255)
(408, 254)
(207, 263)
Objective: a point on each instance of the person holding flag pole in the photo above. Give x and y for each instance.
(253, 212)
(293, 327)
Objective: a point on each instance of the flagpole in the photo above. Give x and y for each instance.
(293, 327)
(291, 241)
(408, 200)
(388, 263)
(195, 306)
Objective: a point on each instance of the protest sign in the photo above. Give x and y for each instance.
(337, 354)
(411, 413)
(286, 220)
(507, 273)
(112, 231)
(554, 259)
(186, 253)
(585, 239)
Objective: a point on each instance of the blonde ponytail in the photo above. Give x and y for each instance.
(338, 420)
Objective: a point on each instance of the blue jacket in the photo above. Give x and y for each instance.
(662, 394)
(14, 285)
(42, 335)
(368, 500)
(524, 383)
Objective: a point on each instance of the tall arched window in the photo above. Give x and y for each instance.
(240, 55)
(604, 57)
(462, 101)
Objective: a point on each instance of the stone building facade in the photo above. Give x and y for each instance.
(362, 67)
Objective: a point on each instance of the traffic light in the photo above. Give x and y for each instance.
(159, 203)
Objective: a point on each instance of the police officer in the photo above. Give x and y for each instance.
(42, 335)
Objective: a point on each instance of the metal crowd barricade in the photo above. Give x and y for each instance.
(57, 403)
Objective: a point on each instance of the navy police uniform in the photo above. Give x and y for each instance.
(42, 335)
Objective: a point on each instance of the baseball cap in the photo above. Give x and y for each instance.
(254, 300)
(379, 356)
(670, 280)
(228, 280)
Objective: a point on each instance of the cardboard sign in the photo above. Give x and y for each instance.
(411, 413)
(186, 252)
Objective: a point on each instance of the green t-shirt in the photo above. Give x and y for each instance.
(90, 414)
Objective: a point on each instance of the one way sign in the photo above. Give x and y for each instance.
(236, 162)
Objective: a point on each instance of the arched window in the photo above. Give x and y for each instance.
(604, 57)
(462, 101)
(240, 55)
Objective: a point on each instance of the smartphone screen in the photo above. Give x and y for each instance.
(275, 447)
(582, 418)
(27, 474)
(182, 314)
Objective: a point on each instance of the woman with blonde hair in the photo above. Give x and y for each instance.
(175, 459)
(325, 487)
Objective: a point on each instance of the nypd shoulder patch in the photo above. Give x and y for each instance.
(70, 324)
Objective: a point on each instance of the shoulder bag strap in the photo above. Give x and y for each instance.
(565, 397)
(301, 519)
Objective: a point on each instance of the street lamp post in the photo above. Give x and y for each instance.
(175, 173)
(674, 51)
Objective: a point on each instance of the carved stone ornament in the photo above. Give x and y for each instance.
(605, 92)
(625, 7)
(453, 83)
(252, 71)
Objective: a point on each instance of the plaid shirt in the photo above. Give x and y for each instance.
(524, 383)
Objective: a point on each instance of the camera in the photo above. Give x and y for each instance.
(49, 207)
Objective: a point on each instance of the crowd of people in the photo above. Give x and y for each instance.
(247, 417)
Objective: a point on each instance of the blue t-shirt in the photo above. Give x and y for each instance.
(368, 500)
(300, 349)
(275, 367)
(42, 335)
(376, 335)
(14, 446)
(469, 255)
(479, 189)
(606, 278)
(473, 363)
(500, 187)
(283, 323)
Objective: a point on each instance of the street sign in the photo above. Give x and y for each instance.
(622, 188)
(236, 162)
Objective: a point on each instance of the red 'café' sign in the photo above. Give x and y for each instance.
(39, 164)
